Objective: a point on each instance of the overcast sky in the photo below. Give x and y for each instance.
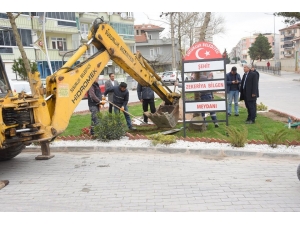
(237, 25)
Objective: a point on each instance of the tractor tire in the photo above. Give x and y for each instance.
(11, 152)
(298, 172)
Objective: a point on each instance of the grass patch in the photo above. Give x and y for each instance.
(268, 125)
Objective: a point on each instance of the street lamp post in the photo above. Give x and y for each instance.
(274, 45)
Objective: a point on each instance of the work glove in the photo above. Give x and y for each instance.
(122, 108)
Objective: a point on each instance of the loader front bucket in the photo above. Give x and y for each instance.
(165, 117)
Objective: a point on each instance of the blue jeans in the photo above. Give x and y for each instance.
(235, 96)
(127, 117)
(212, 114)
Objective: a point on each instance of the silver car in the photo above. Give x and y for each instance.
(170, 76)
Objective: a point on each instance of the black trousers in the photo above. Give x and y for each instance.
(251, 108)
(110, 108)
(146, 103)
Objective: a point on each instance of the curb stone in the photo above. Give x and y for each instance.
(161, 150)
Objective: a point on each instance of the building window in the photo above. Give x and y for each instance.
(65, 23)
(151, 52)
(149, 36)
(59, 15)
(125, 30)
(59, 43)
(6, 50)
(158, 51)
(84, 29)
(129, 14)
(8, 39)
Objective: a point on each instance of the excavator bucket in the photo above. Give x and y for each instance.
(165, 117)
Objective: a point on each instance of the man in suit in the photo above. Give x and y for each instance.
(110, 83)
(257, 73)
(249, 92)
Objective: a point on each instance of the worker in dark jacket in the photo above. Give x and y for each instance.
(146, 96)
(249, 92)
(120, 99)
(233, 86)
(94, 103)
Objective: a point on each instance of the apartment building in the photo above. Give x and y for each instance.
(59, 27)
(289, 37)
(242, 47)
(63, 34)
(158, 51)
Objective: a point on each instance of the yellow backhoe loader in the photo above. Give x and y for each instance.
(45, 113)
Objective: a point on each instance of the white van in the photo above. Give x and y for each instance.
(19, 86)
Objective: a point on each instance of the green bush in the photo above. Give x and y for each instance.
(160, 138)
(110, 127)
(237, 137)
(273, 139)
(261, 107)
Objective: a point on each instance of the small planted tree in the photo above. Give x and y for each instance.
(110, 127)
(275, 138)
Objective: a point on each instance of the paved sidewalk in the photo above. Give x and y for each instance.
(148, 182)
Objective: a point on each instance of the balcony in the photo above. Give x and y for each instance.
(87, 17)
(288, 55)
(288, 46)
(287, 35)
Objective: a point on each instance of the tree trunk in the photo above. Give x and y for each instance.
(12, 20)
(197, 95)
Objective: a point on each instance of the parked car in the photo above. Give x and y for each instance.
(101, 83)
(243, 62)
(210, 76)
(170, 76)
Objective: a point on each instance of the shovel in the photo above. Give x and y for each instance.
(126, 112)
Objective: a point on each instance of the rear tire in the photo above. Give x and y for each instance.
(11, 152)
(298, 172)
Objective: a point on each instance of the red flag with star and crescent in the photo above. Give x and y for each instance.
(202, 51)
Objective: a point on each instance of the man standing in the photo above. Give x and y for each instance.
(233, 84)
(110, 83)
(94, 103)
(120, 99)
(249, 93)
(268, 65)
(257, 73)
(146, 96)
(208, 95)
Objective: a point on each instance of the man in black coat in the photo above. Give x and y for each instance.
(257, 73)
(249, 92)
(146, 96)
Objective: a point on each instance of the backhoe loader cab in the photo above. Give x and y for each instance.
(4, 84)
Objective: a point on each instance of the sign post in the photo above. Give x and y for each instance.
(203, 57)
